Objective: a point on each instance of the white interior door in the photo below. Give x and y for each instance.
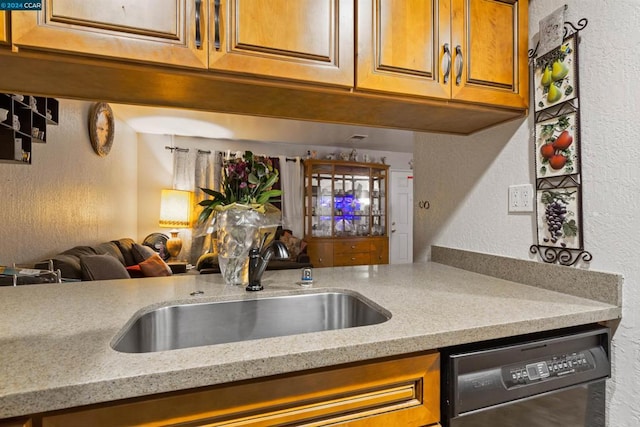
(401, 216)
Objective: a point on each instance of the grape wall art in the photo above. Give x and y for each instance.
(558, 218)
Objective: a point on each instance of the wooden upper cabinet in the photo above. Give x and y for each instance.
(170, 32)
(399, 44)
(306, 40)
(4, 27)
(468, 50)
(490, 42)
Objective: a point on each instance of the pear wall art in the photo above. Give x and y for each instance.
(555, 76)
(557, 146)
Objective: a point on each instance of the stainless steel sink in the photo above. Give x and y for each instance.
(193, 325)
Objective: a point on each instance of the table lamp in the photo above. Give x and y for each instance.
(175, 212)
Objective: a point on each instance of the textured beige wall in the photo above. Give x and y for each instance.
(69, 195)
(466, 179)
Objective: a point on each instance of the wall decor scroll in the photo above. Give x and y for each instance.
(557, 145)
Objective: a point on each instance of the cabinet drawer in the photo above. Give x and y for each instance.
(355, 258)
(349, 247)
(400, 391)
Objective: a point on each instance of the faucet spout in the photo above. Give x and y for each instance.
(259, 259)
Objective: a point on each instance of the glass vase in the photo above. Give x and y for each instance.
(238, 230)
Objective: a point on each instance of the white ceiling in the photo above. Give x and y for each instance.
(180, 122)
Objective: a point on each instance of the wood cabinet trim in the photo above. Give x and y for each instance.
(71, 76)
(5, 27)
(16, 422)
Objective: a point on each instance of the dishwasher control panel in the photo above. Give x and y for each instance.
(553, 367)
(490, 374)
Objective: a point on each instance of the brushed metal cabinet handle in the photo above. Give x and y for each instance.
(446, 62)
(458, 65)
(216, 18)
(198, 30)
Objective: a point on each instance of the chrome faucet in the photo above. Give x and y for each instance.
(259, 257)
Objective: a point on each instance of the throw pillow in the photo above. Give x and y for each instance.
(102, 267)
(110, 248)
(293, 245)
(125, 245)
(141, 253)
(135, 272)
(154, 266)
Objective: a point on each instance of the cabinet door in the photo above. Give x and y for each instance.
(380, 251)
(161, 31)
(489, 42)
(4, 27)
(401, 46)
(320, 253)
(308, 40)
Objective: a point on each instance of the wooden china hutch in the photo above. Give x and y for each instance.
(345, 211)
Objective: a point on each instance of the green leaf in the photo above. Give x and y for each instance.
(563, 122)
(547, 197)
(570, 228)
(253, 179)
(205, 214)
(267, 195)
(213, 193)
(272, 180)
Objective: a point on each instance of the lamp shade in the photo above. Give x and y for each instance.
(175, 208)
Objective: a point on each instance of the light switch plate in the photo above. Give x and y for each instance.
(521, 198)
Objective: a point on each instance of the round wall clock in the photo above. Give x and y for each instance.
(101, 128)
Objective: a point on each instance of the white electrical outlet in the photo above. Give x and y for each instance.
(521, 198)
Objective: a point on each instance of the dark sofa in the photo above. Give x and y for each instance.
(83, 262)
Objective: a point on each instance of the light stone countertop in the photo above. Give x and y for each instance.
(55, 339)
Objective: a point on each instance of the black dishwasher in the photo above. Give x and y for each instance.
(544, 380)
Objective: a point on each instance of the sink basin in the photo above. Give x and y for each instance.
(193, 325)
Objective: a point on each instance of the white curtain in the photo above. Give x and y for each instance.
(204, 178)
(182, 175)
(291, 183)
(193, 171)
